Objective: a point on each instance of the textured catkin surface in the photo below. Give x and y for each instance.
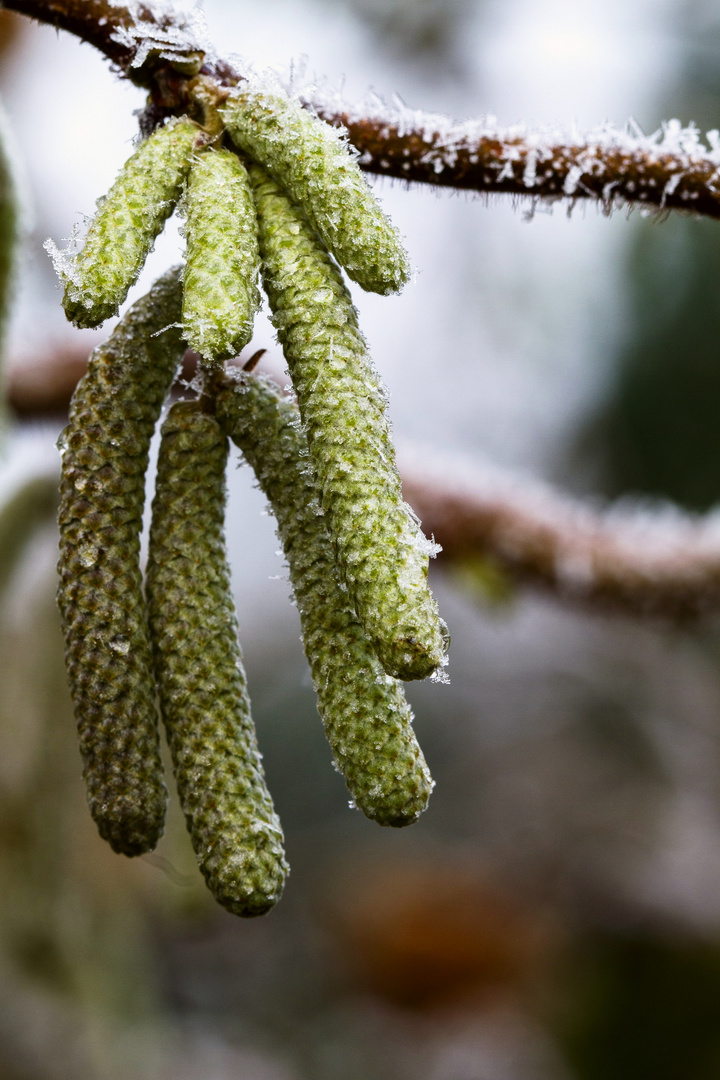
(380, 547)
(126, 224)
(367, 720)
(316, 168)
(112, 418)
(222, 262)
(235, 832)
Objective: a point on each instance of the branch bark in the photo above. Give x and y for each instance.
(670, 171)
(640, 560)
(637, 559)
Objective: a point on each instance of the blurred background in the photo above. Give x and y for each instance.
(555, 915)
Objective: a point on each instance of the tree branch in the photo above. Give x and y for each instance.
(644, 560)
(136, 39)
(670, 170)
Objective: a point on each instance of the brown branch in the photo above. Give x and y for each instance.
(642, 560)
(139, 41)
(40, 386)
(669, 171)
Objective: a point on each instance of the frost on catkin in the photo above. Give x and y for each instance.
(235, 832)
(380, 547)
(222, 263)
(367, 720)
(105, 457)
(315, 166)
(127, 222)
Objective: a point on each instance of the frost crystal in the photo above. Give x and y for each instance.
(317, 167)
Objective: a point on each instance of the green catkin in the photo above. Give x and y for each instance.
(222, 263)
(381, 550)
(105, 457)
(235, 832)
(125, 227)
(314, 164)
(367, 720)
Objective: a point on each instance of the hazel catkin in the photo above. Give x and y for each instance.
(127, 222)
(105, 457)
(221, 295)
(316, 167)
(381, 550)
(367, 719)
(234, 830)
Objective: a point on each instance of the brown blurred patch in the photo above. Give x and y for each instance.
(425, 934)
(11, 27)
(40, 386)
(43, 385)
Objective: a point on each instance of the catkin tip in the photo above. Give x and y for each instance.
(133, 832)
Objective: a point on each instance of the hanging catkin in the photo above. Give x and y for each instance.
(127, 222)
(235, 832)
(367, 720)
(315, 166)
(105, 456)
(222, 262)
(380, 547)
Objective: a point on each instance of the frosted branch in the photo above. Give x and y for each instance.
(137, 38)
(669, 170)
(640, 558)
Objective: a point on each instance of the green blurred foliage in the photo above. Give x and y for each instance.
(657, 431)
(643, 1007)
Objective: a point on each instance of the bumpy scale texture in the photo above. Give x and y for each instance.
(105, 457)
(313, 163)
(380, 547)
(222, 262)
(235, 832)
(367, 720)
(126, 224)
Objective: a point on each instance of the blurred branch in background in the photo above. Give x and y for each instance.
(639, 558)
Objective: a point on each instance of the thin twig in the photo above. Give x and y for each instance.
(642, 559)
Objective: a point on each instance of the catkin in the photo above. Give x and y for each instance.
(222, 261)
(105, 457)
(126, 224)
(314, 164)
(367, 720)
(235, 832)
(380, 547)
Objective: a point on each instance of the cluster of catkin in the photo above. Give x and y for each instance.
(281, 200)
